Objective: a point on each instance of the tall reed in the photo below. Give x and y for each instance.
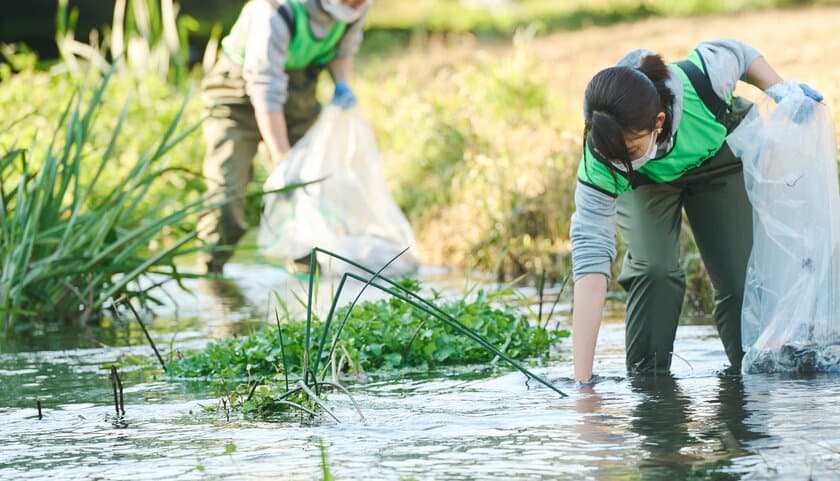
(149, 36)
(66, 251)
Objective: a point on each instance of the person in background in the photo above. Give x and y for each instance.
(654, 146)
(263, 89)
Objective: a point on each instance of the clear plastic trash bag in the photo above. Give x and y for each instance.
(791, 311)
(350, 212)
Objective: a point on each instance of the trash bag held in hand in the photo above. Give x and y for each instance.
(791, 312)
(349, 212)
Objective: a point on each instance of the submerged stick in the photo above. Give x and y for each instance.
(38, 403)
(120, 386)
(297, 406)
(116, 385)
(317, 400)
(114, 388)
(148, 337)
(253, 389)
(346, 392)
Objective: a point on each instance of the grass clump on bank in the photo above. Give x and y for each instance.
(100, 211)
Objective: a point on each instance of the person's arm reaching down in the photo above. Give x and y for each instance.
(593, 250)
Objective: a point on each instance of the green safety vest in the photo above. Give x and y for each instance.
(304, 49)
(700, 135)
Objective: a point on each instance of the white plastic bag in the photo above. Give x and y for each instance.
(350, 212)
(791, 312)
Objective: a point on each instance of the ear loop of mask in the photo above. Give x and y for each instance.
(637, 163)
(654, 136)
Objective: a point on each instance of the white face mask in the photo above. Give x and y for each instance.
(341, 12)
(645, 158)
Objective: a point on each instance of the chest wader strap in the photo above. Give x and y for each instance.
(288, 15)
(703, 86)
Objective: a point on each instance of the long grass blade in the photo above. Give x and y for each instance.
(130, 276)
(352, 304)
(282, 349)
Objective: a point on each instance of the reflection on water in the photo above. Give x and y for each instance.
(697, 424)
(680, 441)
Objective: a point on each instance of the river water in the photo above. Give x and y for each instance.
(698, 424)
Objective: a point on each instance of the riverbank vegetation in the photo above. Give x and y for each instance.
(68, 246)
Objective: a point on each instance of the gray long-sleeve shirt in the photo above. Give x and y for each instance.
(592, 231)
(263, 35)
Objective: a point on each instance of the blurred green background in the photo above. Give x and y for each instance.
(392, 23)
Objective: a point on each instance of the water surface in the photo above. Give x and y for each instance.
(698, 424)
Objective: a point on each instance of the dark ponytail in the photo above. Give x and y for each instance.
(621, 100)
(656, 70)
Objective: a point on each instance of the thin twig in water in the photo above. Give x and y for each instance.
(297, 406)
(38, 403)
(346, 355)
(148, 337)
(345, 391)
(114, 388)
(335, 365)
(253, 389)
(557, 299)
(120, 387)
(116, 385)
(289, 393)
(317, 401)
(683, 360)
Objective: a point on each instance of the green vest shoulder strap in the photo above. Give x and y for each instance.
(700, 135)
(304, 49)
(703, 86)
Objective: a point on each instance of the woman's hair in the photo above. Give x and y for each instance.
(623, 100)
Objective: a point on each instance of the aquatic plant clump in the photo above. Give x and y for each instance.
(378, 335)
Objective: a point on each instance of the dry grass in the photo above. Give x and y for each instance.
(511, 190)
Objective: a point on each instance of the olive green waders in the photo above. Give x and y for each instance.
(232, 139)
(650, 217)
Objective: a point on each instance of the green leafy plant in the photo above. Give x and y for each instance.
(404, 331)
(386, 334)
